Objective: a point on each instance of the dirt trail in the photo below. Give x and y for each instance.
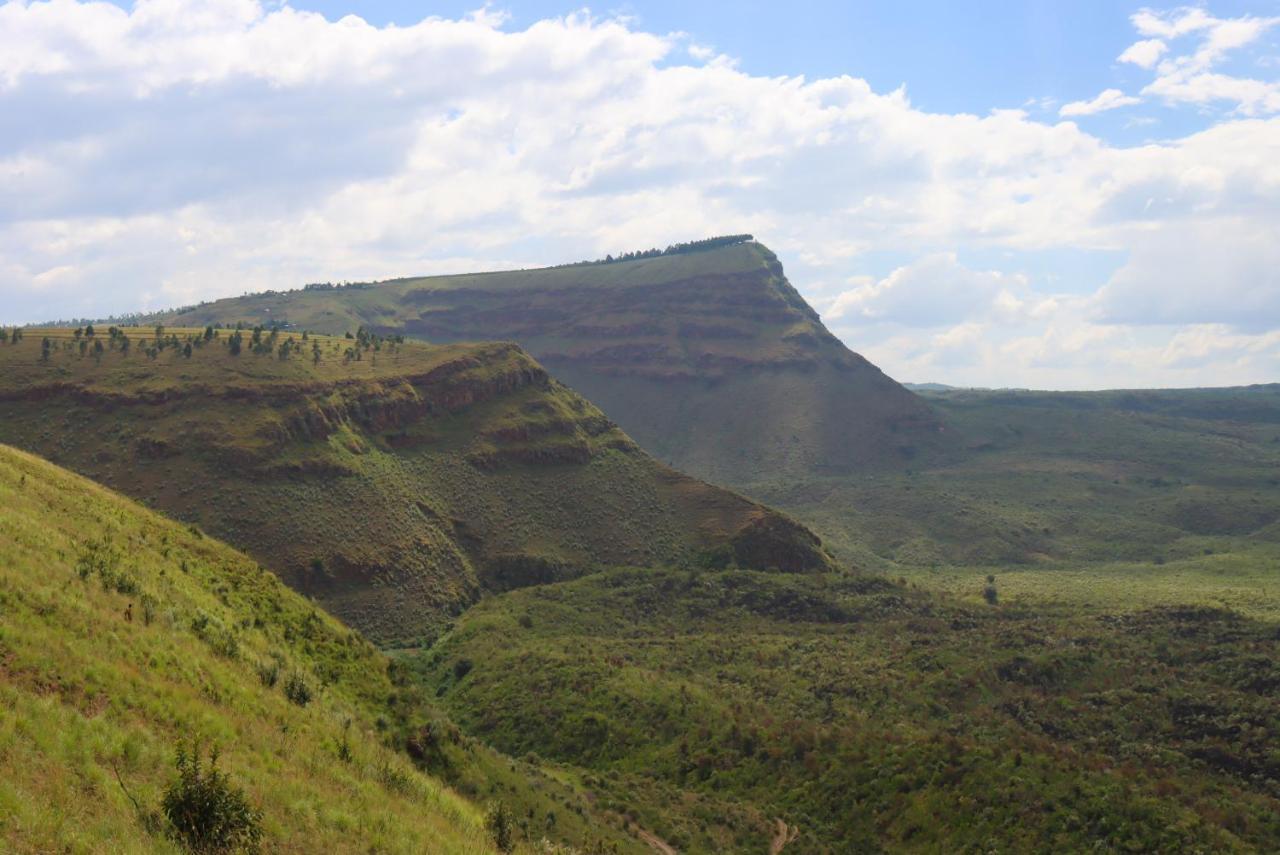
(784, 835)
(659, 845)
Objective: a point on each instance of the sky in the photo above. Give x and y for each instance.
(1038, 194)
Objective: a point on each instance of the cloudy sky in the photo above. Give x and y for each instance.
(1059, 195)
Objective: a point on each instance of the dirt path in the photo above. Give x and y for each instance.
(784, 835)
(659, 845)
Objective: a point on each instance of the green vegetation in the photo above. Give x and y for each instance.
(96, 695)
(870, 715)
(1060, 630)
(91, 694)
(390, 480)
(206, 810)
(1086, 498)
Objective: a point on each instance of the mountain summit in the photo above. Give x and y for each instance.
(706, 355)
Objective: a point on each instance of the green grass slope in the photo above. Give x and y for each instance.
(729, 712)
(1067, 480)
(93, 701)
(711, 360)
(394, 484)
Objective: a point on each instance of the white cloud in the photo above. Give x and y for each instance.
(933, 290)
(1107, 99)
(1145, 53)
(186, 149)
(1187, 77)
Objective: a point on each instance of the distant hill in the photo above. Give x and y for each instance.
(708, 357)
(391, 481)
(124, 633)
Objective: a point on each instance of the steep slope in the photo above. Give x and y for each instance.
(124, 633)
(390, 481)
(711, 360)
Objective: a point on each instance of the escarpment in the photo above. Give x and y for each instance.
(712, 361)
(393, 484)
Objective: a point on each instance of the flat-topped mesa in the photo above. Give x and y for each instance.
(709, 359)
(391, 482)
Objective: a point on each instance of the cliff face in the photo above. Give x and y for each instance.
(392, 492)
(712, 361)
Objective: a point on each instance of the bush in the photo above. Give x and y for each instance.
(297, 690)
(206, 811)
(269, 673)
(501, 826)
(989, 593)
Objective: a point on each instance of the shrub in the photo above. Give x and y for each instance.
(501, 826)
(343, 745)
(207, 812)
(461, 668)
(989, 593)
(269, 673)
(297, 690)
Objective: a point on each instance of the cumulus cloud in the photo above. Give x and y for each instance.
(1107, 99)
(1145, 53)
(930, 291)
(1187, 76)
(185, 149)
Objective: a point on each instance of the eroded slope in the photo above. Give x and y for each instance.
(710, 360)
(391, 486)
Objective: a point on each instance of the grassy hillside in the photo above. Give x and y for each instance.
(711, 360)
(124, 632)
(730, 711)
(392, 481)
(1065, 480)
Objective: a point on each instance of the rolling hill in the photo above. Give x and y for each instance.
(709, 359)
(392, 481)
(124, 634)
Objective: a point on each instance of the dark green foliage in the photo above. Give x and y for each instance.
(501, 826)
(343, 745)
(269, 673)
(297, 689)
(207, 812)
(674, 249)
(888, 719)
(989, 593)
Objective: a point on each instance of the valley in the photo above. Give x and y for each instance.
(944, 620)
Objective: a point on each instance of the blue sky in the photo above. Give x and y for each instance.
(1065, 195)
(951, 57)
